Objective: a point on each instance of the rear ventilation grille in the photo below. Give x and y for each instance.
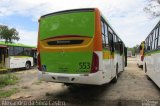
(64, 42)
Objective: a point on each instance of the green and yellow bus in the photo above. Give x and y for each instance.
(79, 47)
(152, 55)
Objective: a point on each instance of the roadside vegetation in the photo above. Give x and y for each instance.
(8, 79)
(5, 80)
(8, 93)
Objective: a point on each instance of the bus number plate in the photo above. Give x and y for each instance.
(63, 78)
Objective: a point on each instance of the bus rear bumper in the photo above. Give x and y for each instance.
(93, 79)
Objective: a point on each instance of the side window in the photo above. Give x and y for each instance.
(149, 43)
(18, 51)
(104, 34)
(156, 38)
(111, 41)
(27, 51)
(115, 42)
(159, 36)
(146, 44)
(11, 51)
(151, 39)
(102, 25)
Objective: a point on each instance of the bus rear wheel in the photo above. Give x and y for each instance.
(145, 68)
(114, 80)
(27, 65)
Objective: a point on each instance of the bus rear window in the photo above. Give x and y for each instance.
(64, 42)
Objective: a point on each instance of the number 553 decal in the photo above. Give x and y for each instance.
(84, 65)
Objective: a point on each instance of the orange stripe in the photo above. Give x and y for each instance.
(38, 42)
(98, 33)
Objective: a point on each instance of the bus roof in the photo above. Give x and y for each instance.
(15, 44)
(66, 11)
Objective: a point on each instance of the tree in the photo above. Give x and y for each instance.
(8, 34)
(153, 8)
(134, 50)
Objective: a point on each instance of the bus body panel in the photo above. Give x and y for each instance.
(67, 62)
(18, 61)
(74, 23)
(92, 79)
(152, 63)
(60, 50)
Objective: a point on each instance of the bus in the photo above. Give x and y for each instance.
(140, 55)
(79, 47)
(152, 55)
(14, 56)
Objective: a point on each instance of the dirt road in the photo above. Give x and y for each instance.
(132, 87)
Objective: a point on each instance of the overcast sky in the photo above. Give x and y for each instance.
(126, 17)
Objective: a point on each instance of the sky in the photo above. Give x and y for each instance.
(126, 17)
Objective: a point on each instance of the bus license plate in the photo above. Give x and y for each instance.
(63, 78)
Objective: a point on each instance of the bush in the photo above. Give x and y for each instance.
(8, 79)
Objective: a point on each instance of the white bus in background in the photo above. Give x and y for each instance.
(140, 55)
(152, 55)
(129, 53)
(16, 56)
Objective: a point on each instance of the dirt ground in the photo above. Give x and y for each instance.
(132, 86)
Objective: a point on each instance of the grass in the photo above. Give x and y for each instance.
(8, 79)
(7, 93)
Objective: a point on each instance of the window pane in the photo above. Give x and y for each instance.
(159, 42)
(11, 51)
(102, 27)
(103, 41)
(18, 51)
(106, 34)
(27, 51)
(159, 37)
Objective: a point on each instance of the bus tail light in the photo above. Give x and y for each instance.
(39, 62)
(142, 58)
(95, 63)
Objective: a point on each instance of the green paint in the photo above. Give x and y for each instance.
(66, 62)
(77, 23)
(16, 44)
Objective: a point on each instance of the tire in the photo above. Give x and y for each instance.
(114, 80)
(148, 78)
(27, 65)
(145, 68)
(140, 66)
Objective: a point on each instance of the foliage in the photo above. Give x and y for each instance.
(8, 34)
(153, 8)
(8, 79)
(7, 93)
(134, 50)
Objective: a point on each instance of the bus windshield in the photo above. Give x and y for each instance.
(70, 23)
